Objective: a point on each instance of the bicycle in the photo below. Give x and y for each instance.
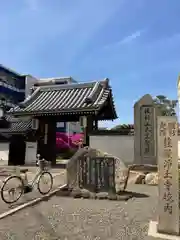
(23, 185)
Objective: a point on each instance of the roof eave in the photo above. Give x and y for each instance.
(55, 113)
(109, 101)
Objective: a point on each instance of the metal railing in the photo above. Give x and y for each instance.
(9, 86)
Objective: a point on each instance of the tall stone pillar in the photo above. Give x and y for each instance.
(167, 225)
(167, 153)
(145, 114)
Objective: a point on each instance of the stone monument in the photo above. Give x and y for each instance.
(168, 225)
(167, 153)
(145, 113)
(74, 173)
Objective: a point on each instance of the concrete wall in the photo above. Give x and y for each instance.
(29, 83)
(118, 145)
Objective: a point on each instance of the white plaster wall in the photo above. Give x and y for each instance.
(4, 151)
(31, 152)
(117, 145)
(120, 146)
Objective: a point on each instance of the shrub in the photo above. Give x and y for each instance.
(66, 153)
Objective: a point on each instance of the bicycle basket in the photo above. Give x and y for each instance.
(44, 165)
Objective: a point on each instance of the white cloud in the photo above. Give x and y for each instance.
(88, 26)
(131, 37)
(126, 40)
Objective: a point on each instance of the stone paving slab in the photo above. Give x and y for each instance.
(58, 180)
(76, 219)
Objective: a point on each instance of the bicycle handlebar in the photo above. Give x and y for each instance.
(41, 162)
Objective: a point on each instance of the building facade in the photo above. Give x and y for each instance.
(15, 88)
(12, 87)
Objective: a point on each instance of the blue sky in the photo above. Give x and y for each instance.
(135, 43)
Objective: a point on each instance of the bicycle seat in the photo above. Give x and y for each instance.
(24, 170)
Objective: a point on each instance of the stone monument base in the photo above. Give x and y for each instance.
(153, 232)
(86, 194)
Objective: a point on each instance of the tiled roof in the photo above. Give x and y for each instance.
(17, 126)
(81, 98)
(22, 126)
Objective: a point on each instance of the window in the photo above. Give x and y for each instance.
(60, 125)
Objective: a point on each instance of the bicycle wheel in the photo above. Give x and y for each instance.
(11, 192)
(45, 180)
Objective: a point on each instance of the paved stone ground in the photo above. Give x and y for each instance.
(59, 178)
(75, 219)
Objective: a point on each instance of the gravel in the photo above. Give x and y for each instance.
(75, 219)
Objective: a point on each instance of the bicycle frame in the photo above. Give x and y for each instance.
(33, 182)
(26, 186)
(25, 179)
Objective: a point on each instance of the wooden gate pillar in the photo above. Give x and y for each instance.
(51, 142)
(95, 125)
(47, 140)
(87, 130)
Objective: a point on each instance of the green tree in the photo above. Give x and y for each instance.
(125, 129)
(121, 127)
(102, 128)
(167, 107)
